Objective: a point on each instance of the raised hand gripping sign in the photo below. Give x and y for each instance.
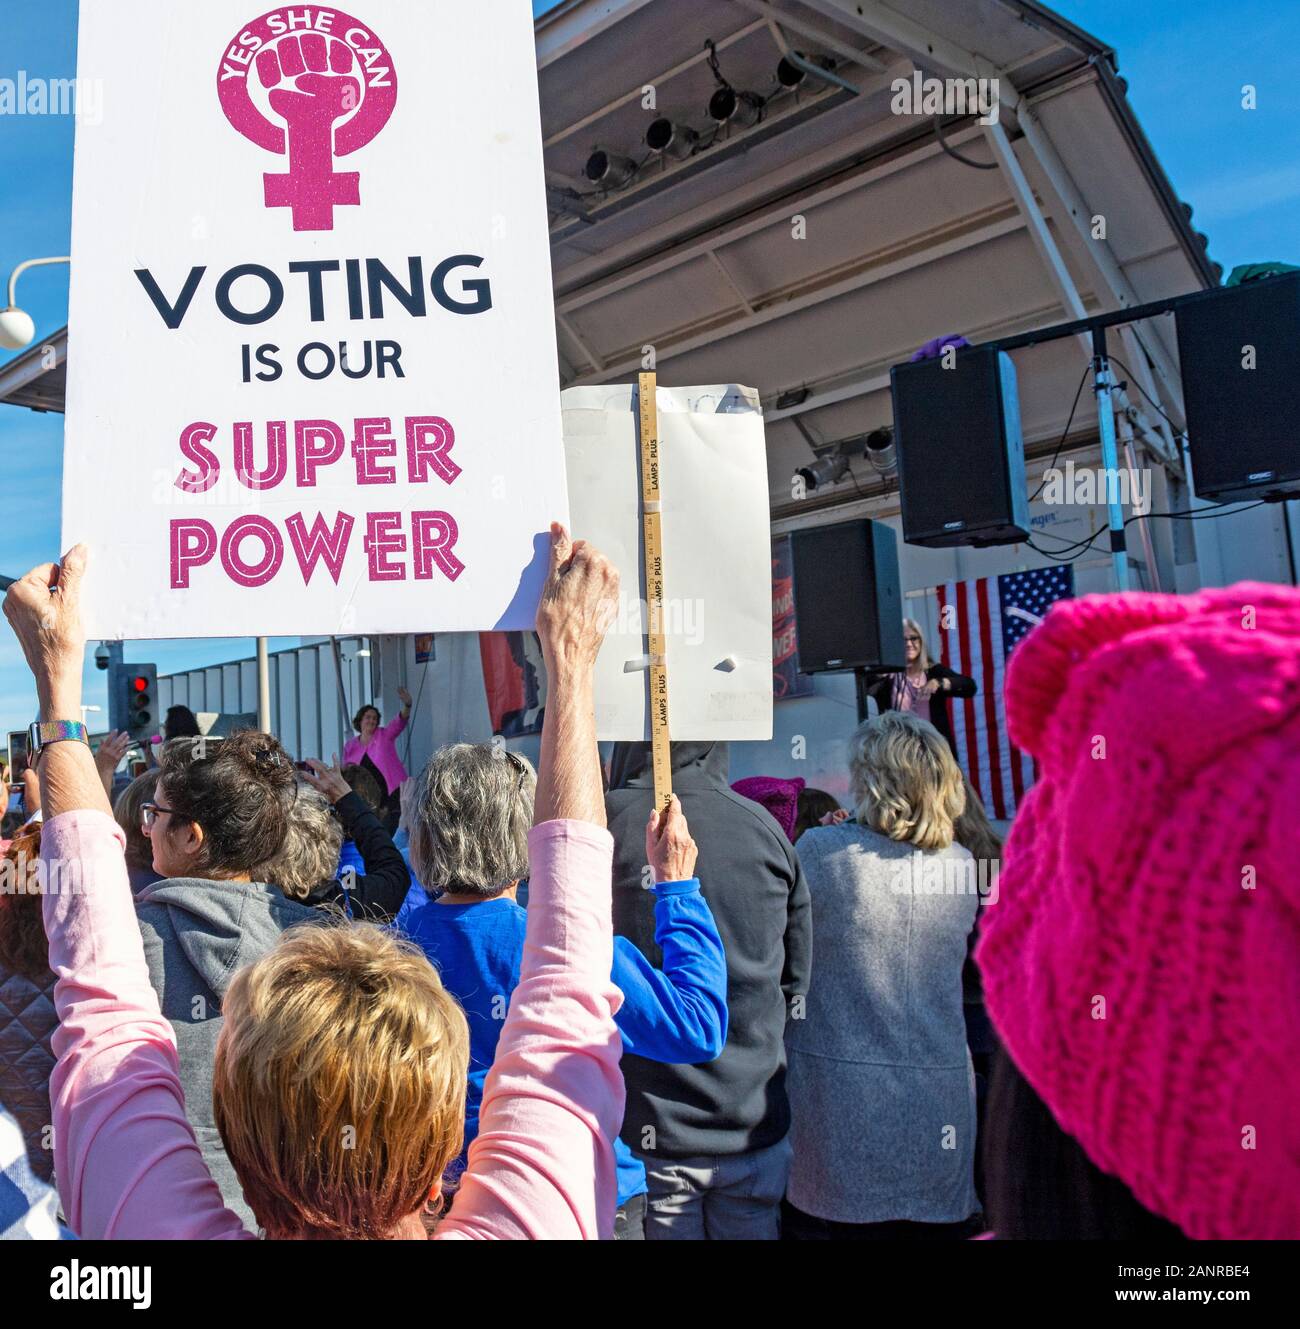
(312, 384)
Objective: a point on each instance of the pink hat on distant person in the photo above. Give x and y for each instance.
(1142, 963)
(779, 797)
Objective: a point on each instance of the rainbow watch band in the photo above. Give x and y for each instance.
(43, 733)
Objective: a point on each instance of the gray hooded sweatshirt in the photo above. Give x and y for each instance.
(197, 935)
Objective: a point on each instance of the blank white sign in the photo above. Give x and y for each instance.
(717, 555)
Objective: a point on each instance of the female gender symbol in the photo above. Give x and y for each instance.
(333, 92)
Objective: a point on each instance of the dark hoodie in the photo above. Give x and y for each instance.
(750, 876)
(197, 935)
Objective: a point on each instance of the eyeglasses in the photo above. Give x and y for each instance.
(149, 814)
(912, 641)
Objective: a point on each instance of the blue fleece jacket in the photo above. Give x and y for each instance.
(676, 1015)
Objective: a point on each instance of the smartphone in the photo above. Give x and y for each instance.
(15, 799)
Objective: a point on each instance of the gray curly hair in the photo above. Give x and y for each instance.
(469, 816)
(310, 852)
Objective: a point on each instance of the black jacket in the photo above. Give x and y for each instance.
(378, 895)
(940, 716)
(750, 876)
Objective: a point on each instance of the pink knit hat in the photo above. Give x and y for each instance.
(1142, 963)
(779, 797)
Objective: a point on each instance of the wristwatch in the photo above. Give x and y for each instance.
(42, 733)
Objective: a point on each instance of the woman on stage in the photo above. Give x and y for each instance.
(922, 688)
(375, 748)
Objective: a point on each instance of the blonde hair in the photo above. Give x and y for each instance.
(905, 782)
(339, 1082)
(924, 659)
(974, 830)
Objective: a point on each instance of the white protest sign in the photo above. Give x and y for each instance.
(312, 373)
(716, 548)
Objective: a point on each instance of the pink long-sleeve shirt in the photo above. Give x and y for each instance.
(382, 750)
(125, 1155)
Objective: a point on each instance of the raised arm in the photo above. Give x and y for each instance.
(395, 726)
(543, 1165)
(124, 1153)
(578, 604)
(677, 1014)
(376, 895)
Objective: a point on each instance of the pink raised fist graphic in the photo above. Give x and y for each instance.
(306, 59)
(332, 87)
(312, 188)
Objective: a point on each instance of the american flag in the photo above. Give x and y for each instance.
(979, 624)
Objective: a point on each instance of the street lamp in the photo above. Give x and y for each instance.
(17, 327)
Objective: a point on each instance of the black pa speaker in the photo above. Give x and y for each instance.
(1243, 423)
(848, 603)
(961, 461)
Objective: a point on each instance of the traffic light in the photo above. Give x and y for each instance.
(133, 699)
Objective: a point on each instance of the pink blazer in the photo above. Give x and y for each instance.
(382, 751)
(125, 1155)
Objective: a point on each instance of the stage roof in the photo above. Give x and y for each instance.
(810, 251)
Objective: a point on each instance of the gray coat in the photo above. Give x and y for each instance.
(880, 1080)
(197, 935)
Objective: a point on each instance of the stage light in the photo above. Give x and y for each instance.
(789, 75)
(609, 170)
(727, 106)
(794, 67)
(671, 140)
(880, 451)
(740, 109)
(825, 470)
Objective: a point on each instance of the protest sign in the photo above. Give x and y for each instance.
(313, 379)
(716, 553)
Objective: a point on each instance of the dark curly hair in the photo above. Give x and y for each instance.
(238, 791)
(356, 719)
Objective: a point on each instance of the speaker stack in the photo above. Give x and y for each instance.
(848, 600)
(961, 466)
(1239, 353)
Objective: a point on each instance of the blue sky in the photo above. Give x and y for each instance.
(1185, 61)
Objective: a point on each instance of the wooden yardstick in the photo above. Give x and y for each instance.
(652, 533)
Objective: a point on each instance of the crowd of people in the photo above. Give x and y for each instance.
(241, 996)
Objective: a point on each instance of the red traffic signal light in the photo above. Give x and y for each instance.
(132, 688)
